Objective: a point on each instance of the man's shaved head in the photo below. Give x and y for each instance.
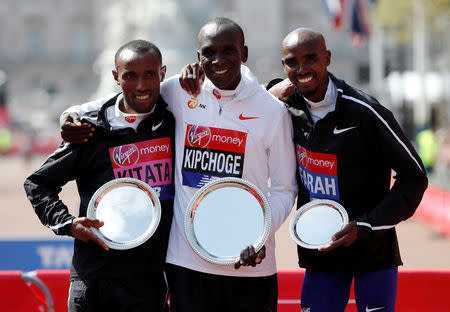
(303, 35)
(305, 61)
(221, 51)
(214, 25)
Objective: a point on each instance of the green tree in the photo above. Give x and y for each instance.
(397, 17)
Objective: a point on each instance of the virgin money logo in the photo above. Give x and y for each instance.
(309, 160)
(126, 155)
(302, 157)
(199, 136)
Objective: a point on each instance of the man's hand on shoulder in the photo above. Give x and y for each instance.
(282, 90)
(81, 229)
(72, 130)
(191, 77)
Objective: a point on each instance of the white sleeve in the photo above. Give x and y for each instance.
(89, 106)
(168, 91)
(282, 166)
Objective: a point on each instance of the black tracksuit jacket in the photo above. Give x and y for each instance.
(90, 165)
(348, 156)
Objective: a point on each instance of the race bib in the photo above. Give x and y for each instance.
(318, 172)
(149, 161)
(211, 153)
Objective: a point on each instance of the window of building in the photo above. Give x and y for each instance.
(80, 42)
(36, 46)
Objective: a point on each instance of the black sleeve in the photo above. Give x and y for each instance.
(273, 82)
(410, 177)
(43, 186)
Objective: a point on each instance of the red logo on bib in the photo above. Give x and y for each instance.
(130, 119)
(126, 155)
(199, 136)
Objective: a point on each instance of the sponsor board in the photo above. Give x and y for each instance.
(27, 255)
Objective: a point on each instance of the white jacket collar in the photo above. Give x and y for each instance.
(246, 87)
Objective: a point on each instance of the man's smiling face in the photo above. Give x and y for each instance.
(221, 52)
(305, 62)
(139, 74)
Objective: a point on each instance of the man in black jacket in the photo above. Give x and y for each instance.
(347, 145)
(128, 128)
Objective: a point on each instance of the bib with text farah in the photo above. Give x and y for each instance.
(149, 161)
(318, 172)
(211, 153)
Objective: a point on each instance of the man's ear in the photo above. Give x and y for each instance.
(198, 55)
(284, 67)
(245, 54)
(116, 76)
(163, 72)
(328, 56)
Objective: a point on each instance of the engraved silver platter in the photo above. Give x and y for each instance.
(224, 217)
(314, 223)
(130, 209)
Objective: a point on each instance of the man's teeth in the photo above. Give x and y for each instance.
(220, 72)
(142, 97)
(303, 80)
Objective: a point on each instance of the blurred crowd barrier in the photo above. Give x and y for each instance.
(435, 209)
(47, 290)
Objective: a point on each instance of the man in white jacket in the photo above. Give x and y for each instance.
(233, 104)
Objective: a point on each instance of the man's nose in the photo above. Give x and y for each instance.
(218, 59)
(301, 67)
(140, 84)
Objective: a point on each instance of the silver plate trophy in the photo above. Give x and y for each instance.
(130, 210)
(314, 223)
(224, 217)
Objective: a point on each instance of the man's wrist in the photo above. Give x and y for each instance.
(66, 229)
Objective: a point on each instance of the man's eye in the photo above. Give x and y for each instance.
(128, 76)
(311, 59)
(291, 63)
(206, 53)
(229, 51)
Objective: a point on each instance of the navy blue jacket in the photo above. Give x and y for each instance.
(349, 156)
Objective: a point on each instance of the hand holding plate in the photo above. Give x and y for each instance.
(81, 229)
(346, 237)
(250, 257)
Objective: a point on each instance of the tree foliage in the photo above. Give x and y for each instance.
(398, 17)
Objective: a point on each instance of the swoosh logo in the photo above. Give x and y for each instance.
(338, 131)
(241, 117)
(157, 126)
(373, 309)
